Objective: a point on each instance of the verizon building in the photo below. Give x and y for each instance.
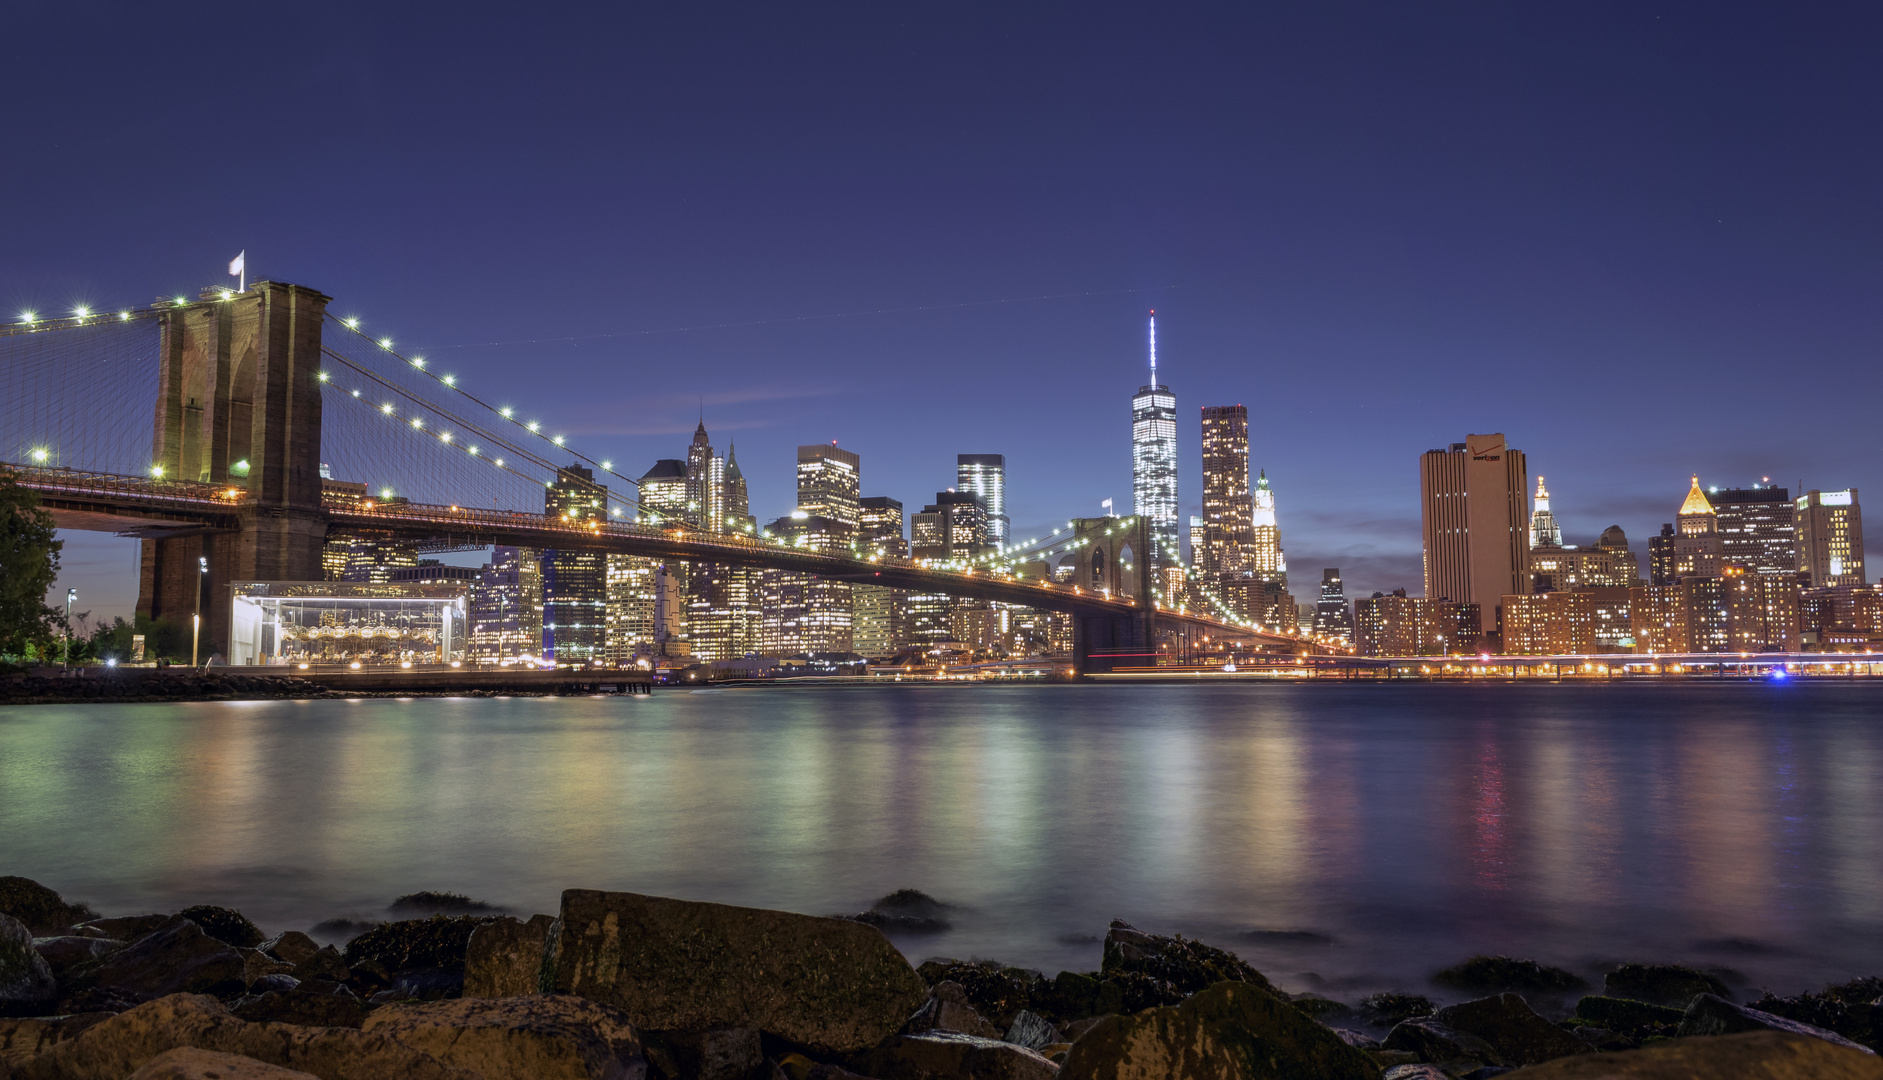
(1477, 542)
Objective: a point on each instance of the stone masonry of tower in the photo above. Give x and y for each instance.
(239, 381)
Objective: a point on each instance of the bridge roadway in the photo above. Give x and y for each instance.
(144, 506)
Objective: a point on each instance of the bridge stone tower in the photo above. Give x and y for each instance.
(1114, 557)
(238, 405)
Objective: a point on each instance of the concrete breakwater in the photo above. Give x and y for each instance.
(618, 985)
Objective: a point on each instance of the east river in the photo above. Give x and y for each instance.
(1341, 838)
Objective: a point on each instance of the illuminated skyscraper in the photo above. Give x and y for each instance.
(630, 610)
(1544, 532)
(1154, 462)
(1696, 537)
(804, 613)
(1332, 617)
(881, 614)
(1267, 560)
(664, 492)
(985, 475)
(575, 583)
(1757, 528)
(738, 507)
(722, 617)
(828, 486)
(1228, 527)
(507, 607)
(952, 529)
(1476, 531)
(1661, 557)
(706, 484)
(1830, 537)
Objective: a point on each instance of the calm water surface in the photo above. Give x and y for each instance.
(1388, 830)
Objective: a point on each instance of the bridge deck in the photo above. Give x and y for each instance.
(109, 502)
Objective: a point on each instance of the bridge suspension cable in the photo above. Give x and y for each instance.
(415, 379)
(78, 392)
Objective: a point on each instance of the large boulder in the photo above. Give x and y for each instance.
(1519, 1035)
(71, 950)
(24, 1037)
(541, 1037)
(189, 1063)
(427, 902)
(1661, 984)
(114, 1048)
(124, 928)
(1176, 966)
(226, 925)
(42, 910)
(1034, 1032)
(325, 963)
(1763, 1055)
(948, 1009)
(907, 911)
(1385, 1010)
(1073, 995)
(177, 959)
(1438, 1043)
(304, 1007)
(951, 1055)
(438, 942)
(1710, 1015)
(999, 992)
(504, 957)
(258, 965)
(721, 1054)
(1230, 1031)
(829, 985)
(290, 946)
(27, 985)
(1851, 1009)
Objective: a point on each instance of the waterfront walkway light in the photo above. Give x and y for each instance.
(196, 621)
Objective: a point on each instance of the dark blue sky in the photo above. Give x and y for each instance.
(1640, 239)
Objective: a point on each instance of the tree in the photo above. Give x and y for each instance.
(29, 564)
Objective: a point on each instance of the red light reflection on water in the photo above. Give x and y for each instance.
(1490, 841)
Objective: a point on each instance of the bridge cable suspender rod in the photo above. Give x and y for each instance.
(467, 427)
(470, 449)
(418, 365)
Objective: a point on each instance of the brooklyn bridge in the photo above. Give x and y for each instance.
(203, 427)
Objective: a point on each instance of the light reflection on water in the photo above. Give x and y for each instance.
(1414, 825)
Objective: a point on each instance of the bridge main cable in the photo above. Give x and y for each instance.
(449, 383)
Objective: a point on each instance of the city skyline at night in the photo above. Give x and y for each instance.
(1372, 258)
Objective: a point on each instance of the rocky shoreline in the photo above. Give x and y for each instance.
(620, 986)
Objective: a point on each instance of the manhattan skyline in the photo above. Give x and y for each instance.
(1602, 261)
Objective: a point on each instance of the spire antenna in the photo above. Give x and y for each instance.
(1153, 346)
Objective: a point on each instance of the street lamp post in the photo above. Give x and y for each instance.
(70, 595)
(196, 621)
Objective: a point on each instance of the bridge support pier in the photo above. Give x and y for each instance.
(238, 404)
(1103, 643)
